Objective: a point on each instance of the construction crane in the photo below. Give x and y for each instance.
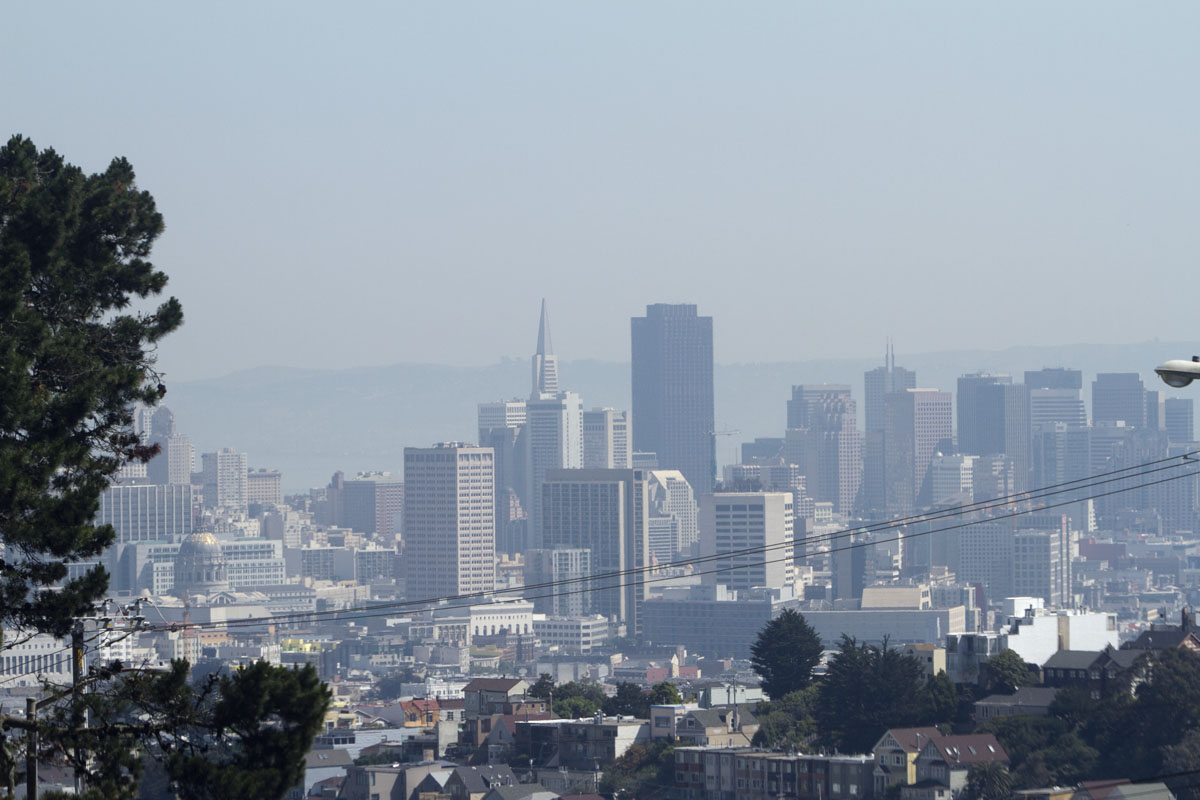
(714, 434)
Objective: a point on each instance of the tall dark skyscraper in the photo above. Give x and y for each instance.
(881, 381)
(972, 437)
(878, 383)
(1119, 397)
(673, 391)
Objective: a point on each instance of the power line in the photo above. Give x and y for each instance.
(1035, 494)
(388, 609)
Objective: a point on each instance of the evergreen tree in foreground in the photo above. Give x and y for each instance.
(74, 360)
(785, 653)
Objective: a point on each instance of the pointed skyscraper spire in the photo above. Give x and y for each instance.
(545, 363)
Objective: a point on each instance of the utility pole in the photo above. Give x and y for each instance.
(31, 748)
(78, 713)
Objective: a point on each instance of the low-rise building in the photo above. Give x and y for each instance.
(725, 773)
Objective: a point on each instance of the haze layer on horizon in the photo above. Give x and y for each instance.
(391, 183)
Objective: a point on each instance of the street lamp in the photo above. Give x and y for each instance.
(1179, 373)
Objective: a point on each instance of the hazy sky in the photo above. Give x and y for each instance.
(351, 184)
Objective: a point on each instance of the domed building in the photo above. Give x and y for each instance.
(200, 566)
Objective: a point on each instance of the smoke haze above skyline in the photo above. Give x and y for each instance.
(391, 184)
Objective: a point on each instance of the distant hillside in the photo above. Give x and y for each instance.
(309, 423)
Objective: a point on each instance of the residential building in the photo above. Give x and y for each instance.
(223, 475)
(672, 376)
(449, 520)
(264, 487)
(725, 773)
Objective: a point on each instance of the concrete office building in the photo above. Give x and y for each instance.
(951, 479)
(1041, 565)
(1180, 419)
(604, 511)
(671, 500)
(449, 520)
(672, 378)
(832, 449)
(553, 440)
(734, 522)
(373, 503)
(878, 383)
(606, 439)
(1054, 396)
(919, 424)
(264, 487)
(502, 427)
(1119, 397)
(223, 476)
(972, 417)
(147, 513)
(557, 581)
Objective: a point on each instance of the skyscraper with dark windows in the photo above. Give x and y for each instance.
(918, 425)
(1119, 397)
(825, 417)
(878, 383)
(971, 416)
(672, 349)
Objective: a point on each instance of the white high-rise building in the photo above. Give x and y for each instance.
(225, 481)
(952, 479)
(147, 513)
(734, 522)
(606, 438)
(553, 440)
(449, 523)
(670, 498)
(545, 363)
(501, 414)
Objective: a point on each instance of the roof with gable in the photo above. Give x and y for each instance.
(316, 759)
(1035, 696)
(910, 739)
(1122, 658)
(492, 685)
(975, 748)
(481, 778)
(1099, 790)
(1072, 659)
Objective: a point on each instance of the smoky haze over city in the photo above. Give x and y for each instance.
(501, 401)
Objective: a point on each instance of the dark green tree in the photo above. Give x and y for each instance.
(1007, 672)
(787, 723)
(785, 653)
(543, 688)
(75, 359)
(575, 707)
(645, 770)
(866, 690)
(663, 693)
(988, 781)
(73, 362)
(940, 702)
(242, 734)
(628, 700)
